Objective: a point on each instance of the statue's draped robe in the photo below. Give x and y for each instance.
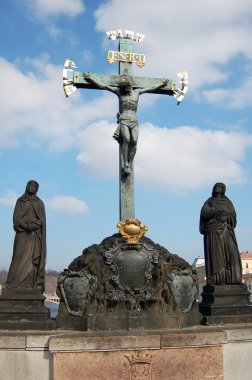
(27, 268)
(222, 258)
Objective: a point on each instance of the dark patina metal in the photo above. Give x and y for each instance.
(184, 287)
(76, 290)
(132, 267)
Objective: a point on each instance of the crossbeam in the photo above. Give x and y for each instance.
(128, 88)
(113, 80)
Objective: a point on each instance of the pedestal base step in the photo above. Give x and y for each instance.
(24, 309)
(225, 304)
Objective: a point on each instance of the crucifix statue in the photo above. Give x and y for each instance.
(127, 131)
(128, 88)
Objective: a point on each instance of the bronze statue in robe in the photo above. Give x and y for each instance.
(217, 223)
(27, 269)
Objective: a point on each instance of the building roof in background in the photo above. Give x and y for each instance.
(246, 255)
(198, 262)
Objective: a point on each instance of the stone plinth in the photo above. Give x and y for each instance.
(126, 320)
(180, 364)
(24, 309)
(225, 304)
(202, 352)
(178, 355)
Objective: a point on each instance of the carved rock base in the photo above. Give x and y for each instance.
(119, 286)
(225, 304)
(140, 321)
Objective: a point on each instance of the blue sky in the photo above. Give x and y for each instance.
(66, 144)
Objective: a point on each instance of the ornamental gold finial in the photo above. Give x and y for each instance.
(132, 230)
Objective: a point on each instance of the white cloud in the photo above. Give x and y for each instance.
(9, 199)
(67, 204)
(35, 106)
(87, 56)
(202, 37)
(35, 110)
(234, 98)
(54, 31)
(99, 152)
(185, 158)
(44, 8)
(177, 159)
(47, 13)
(61, 203)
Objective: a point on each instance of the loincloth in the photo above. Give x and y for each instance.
(128, 123)
(131, 124)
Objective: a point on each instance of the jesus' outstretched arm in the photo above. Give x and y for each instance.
(153, 88)
(88, 77)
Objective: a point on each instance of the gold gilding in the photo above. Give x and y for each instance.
(113, 56)
(132, 230)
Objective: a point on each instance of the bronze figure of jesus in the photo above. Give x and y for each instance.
(128, 88)
(127, 131)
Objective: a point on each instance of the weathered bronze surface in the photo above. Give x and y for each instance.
(22, 300)
(27, 269)
(132, 267)
(224, 299)
(127, 286)
(127, 131)
(217, 223)
(128, 88)
(127, 281)
(77, 289)
(184, 287)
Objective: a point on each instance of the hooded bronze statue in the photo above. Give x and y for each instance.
(27, 269)
(217, 223)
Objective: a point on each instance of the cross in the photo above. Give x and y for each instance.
(128, 88)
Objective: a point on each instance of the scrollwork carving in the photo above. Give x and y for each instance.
(76, 289)
(184, 287)
(131, 272)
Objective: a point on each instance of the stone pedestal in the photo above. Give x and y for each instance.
(127, 320)
(202, 352)
(146, 356)
(225, 304)
(23, 308)
(120, 285)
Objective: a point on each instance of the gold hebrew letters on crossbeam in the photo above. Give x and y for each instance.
(113, 56)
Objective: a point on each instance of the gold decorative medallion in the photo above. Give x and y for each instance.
(132, 230)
